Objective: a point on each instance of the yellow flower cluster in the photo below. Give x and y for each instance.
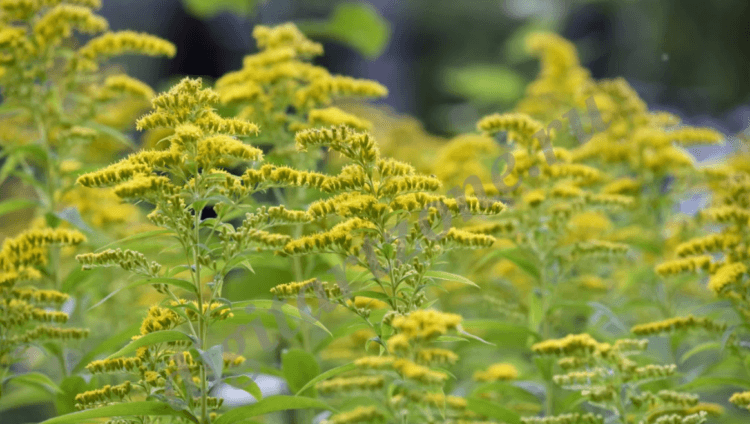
(21, 257)
(497, 372)
(280, 76)
(678, 323)
(128, 260)
(103, 396)
(360, 414)
(346, 384)
(311, 287)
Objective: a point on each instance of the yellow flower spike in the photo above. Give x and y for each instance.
(58, 23)
(124, 42)
(399, 343)
(285, 36)
(558, 54)
(518, 124)
(456, 238)
(418, 373)
(571, 345)
(126, 84)
(725, 214)
(311, 287)
(347, 384)
(534, 198)
(333, 116)
(363, 302)
(360, 414)
(741, 400)
(375, 362)
(677, 266)
(211, 149)
(145, 187)
(497, 372)
(678, 323)
(726, 276)
(622, 186)
(695, 135)
(711, 409)
(581, 173)
(435, 356)
(598, 248)
(708, 244)
(400, 185)
(391, 167)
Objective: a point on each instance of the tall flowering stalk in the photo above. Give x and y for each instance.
(58, 94)
(723, 257)
(391, 224)
(181, 368)
(611, 378)
(24, 266)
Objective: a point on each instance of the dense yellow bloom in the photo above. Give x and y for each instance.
(426, 324)
(741, 399)
(573, 344)
(333, 116)
(119, 43)
(521, 126)
(497, 372)
(360, 414)
(726, 276)
(677, 323)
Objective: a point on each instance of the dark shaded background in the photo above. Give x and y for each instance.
(689, 57)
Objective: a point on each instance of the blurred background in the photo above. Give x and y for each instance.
(447, 63)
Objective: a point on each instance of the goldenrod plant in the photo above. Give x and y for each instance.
(394, 228)
(610, 378)
(55, 95)
(175, 362)
(721, 255)
(29, 312)
(62, 110)
(534, 271)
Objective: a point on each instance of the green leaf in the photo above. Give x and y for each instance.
(500, 327)
(267, 405)
(357, 25)
(286, 309)
(715, 382)
(299, 368)
(120, 410)
(34, 379)
(514, 392)
(135, 237)
(108, 345)
(521, 257)
(467, 334)
(442, 275)
(604, 310)
(698, 349)
(151, 339)
(73, 217)
(341, 332)
(247, 384)
(493, 410)
(112, 132)
(70, 386)
(326, 375)
(12, 205)
(33, 151)
(183, 284)
(76, 277)
(209, 8)
(484, 83)
(213, 358)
